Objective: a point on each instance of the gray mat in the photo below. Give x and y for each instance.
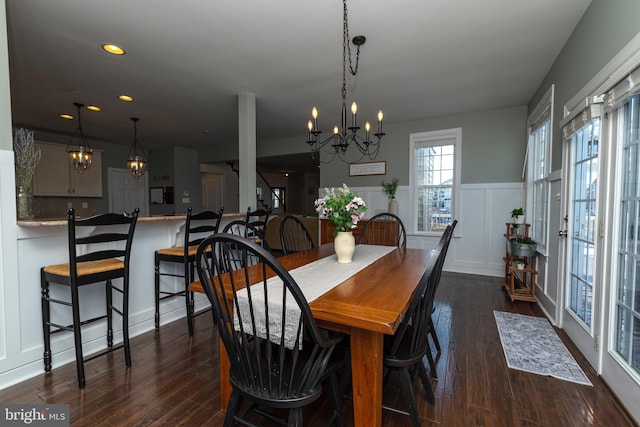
(530, 344)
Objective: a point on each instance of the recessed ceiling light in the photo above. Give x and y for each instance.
(66, 116)
(113, 49)
(93, 108)
(125, 98)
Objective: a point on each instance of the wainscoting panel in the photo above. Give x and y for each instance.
(478, 245)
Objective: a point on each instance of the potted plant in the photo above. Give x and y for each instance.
(517, 217)
(522, 247)
(389, 188)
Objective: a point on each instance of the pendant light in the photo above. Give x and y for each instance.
(137, 161)
(81, 154)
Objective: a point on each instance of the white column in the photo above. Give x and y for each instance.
(247, 150)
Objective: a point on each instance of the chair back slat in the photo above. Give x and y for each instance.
(81, 249)
(275, 348)
(294, 236)
(258, 219)
(384, 229)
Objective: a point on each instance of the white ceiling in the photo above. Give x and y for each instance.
(187, 60)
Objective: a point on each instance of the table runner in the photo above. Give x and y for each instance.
(314, 280)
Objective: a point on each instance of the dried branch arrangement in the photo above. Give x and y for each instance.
(26, 155)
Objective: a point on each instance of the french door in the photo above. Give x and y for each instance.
(621, 356)
(582, 311)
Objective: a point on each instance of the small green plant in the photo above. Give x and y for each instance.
(390, 188)
(517, 213)
(525, 241)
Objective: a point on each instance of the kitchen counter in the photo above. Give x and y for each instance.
(44, 242)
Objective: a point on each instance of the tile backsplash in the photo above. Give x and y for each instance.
(56, 207)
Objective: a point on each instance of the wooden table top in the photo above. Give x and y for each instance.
(374, 299)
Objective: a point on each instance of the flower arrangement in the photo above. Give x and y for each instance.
(390, 188)
(342, 207)
(27, 157)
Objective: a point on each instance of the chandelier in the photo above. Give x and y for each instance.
(81, 155)
(137, 161)
(347, 135)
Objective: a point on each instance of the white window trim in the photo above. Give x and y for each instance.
(454, 133)
(545, 102)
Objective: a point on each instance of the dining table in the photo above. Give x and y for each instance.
(365, 306)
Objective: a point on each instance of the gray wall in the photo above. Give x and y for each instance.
(606, 27)
(493, 147)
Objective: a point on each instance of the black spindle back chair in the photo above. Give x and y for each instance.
(403, 351)
(274, 364)
(384, 229)
(294, 236)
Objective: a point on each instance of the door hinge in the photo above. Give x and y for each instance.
(596, 342)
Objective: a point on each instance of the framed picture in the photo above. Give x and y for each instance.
(156, 195)
(370, 168)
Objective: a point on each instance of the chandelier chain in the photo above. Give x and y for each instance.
(346, 51)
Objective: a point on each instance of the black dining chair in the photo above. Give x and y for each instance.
(99, 251)
(258, 219)
(279, 358)
(197, 226)
(445, 239)
(384, 229)
(294, 236)
(403, 351)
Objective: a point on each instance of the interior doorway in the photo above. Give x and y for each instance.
(212, 191)
(127, 192)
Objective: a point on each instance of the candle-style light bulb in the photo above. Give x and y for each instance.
(354, 110)
(310, 125)
(335, 130)
(367, 127)
(314, 114)
(380, 117)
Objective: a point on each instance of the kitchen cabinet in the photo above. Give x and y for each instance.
(54, 175)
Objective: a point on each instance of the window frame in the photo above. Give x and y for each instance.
(432, 138)
(541, 115)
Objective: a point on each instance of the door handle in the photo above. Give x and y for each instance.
(563, 233)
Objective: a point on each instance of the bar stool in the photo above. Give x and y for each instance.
(89, 264)
(197, 227)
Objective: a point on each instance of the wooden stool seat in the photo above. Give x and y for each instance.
(86, 268)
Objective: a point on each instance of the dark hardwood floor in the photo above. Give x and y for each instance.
(174, 379)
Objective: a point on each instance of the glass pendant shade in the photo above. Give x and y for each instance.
(81, 155)
(137, 161)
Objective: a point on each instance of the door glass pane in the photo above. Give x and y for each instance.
(627, 307)
(583, 225)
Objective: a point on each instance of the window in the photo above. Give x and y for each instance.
(277, 197)
(539, 165)
(435, 175)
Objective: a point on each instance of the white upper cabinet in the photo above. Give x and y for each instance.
(54, 175)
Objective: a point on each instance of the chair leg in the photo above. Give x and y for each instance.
(189, 275)
(426, 384)
(157, 290)
(432, 363)
(336, 398)
(46, 319)
(295, 417)
(232, 408)
(407, 390)
(77, 335)
(109, 291)
(125, 319)
(434, 337)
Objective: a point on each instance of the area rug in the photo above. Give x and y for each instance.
(530, 344)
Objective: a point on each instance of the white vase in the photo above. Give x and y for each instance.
(344, 244)
(393, 206)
